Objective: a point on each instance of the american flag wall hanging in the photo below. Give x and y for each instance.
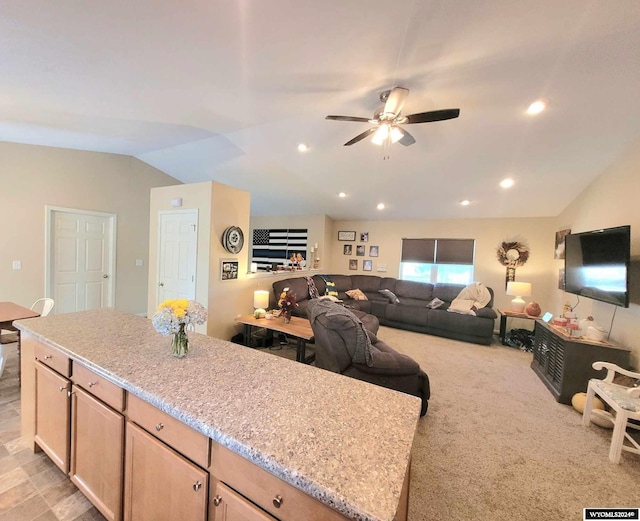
(277, 245)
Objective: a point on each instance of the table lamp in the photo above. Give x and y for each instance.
(519, 289)
(260, 301)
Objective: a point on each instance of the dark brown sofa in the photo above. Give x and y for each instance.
(410, 312)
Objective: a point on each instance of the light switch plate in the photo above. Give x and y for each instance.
(17, 265)
(138, 262)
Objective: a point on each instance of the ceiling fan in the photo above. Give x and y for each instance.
(387, 119)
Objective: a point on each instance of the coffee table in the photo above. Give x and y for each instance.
(298, 328)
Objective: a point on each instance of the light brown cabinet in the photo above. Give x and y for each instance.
(160, 484)
(52, 412)
(228, 505)
(97, 446)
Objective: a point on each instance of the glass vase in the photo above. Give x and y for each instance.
(180, 344)
(287, 316)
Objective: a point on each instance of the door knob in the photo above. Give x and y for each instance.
(161, 284)
(105, 276)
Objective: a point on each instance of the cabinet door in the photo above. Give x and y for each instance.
(160, 484)
(52, 415)
(228, 505)
(97, 444)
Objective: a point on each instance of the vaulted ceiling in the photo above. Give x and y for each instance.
(226, 90)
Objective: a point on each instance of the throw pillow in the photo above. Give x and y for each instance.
(390, 295)
(356, 294)
(435, 303)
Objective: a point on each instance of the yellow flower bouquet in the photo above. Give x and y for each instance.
(173, 317)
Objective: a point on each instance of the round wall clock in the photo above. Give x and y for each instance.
(233, 239)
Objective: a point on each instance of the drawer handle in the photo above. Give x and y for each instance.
(159, 427)
(91, 384)
(48, 357)
(196, 486)
(277, 501)
(217, 500)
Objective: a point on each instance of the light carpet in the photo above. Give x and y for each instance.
(495, 445)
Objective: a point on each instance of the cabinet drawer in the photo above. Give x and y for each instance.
(99, 386)
(266, 490)
(53, 358)
(174, 433)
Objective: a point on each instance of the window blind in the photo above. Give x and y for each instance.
(438, 251)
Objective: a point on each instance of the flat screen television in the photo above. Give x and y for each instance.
(597, 264)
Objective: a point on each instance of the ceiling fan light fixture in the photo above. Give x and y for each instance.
(536, 107)
(396, 134)
(380, 135)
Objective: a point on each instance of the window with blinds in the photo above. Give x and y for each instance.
(438, 260)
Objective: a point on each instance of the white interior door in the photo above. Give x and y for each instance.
(178, 244)
(81, 259)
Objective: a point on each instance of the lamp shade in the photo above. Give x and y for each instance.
(261, 299)
(519, 289)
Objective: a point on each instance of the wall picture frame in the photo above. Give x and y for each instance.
(346, 236)
(228, 270)
(347, 249)
(367, 265)
(353, 264)
(373, 251)
(364, 237)
(558, 253)
(360, 251)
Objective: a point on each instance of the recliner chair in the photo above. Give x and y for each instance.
(336, 332)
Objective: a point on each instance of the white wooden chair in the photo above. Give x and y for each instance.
(625, 401)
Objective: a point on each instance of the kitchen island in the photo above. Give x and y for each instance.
(343, 442)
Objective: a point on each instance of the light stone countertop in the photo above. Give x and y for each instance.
(345, 442)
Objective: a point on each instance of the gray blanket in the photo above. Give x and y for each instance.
(362, 353)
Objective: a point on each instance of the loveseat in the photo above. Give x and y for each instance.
(409, 312)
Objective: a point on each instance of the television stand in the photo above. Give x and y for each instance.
(564, 363)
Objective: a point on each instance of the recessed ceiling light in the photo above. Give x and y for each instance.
(342, 195)
(380, 206)
(507, 183)
(466, 202)
(536, 107)
(302, 147)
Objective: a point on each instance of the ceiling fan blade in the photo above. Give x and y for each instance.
(434, 115)
(360, 137)
(395, 101)
(406, 139)
(348, 118)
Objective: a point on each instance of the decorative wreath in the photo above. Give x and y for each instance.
(513, 254)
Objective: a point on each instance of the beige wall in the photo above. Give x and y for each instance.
(488, 233)
(33, 177)
(611, 200)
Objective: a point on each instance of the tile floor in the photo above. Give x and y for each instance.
(32, 488)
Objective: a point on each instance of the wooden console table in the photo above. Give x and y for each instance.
(298, 328)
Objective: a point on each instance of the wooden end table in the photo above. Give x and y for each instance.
(298, 328)
(507, 313)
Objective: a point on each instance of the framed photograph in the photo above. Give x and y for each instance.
(367, 265)
(364, 237)
(346, 236)
(373, 251)
(559, 251)
(561, 279)
(353, 264)
(347, 249)
(360, 250)
(228, 270)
